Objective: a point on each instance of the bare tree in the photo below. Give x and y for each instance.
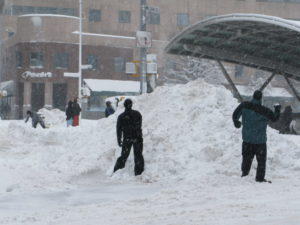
(184, 69)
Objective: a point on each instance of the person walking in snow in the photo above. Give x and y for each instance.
(109, 109)
(129, 127)
(255, 118)
(77, 110)
(35, 119)
(70, 113)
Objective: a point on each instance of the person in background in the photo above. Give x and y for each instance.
(109, 109)
(285, 120)
(70, 113)
(255, 118)
(35, 119)
(117, 102)
(77, 110)
(129, 127)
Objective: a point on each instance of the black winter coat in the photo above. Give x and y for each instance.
(77, 109)
(129, 125)
(69, 113)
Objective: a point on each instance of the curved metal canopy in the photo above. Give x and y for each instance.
(259, 41)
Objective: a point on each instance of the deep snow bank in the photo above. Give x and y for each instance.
(188, 135)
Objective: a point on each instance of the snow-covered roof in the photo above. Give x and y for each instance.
(120, 86)
(105, 35)
(49, 15)
(260, 41)
(6, 84)
(113, 36)
(268, 92)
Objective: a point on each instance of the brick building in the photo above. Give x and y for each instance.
(39, 43)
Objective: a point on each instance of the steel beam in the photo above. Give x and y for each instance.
(235, 90)
(267, 81)
(292, 87)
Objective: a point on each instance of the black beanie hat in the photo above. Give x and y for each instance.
(128, 103)
(257, 95)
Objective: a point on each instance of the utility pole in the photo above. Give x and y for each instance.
(143, 50)
(80, 55)
(80, 51)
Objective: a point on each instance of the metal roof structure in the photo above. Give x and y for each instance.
(259, 41)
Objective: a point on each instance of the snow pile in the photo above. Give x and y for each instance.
(53, 117)
(188, 136)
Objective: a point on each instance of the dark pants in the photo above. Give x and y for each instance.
(248, 152)
(138, 155)
(34, 124)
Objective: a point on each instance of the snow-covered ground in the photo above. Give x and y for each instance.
(192, 152)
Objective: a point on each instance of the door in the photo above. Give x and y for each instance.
(37, 96)
(60, 96)
(20, 99)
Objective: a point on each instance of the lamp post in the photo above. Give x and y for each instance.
(143, 50)
(80, 51)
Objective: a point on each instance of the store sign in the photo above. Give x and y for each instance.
(28, 74)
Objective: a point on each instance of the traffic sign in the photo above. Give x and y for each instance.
(143, 39)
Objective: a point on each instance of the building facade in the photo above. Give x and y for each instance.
(39, 41)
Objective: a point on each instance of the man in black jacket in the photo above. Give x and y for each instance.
(129, 125)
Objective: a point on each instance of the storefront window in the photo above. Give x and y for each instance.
(92, 60)
(96, 103)
(19, 59)
(119, 64)
(36, 60)
(61, 60)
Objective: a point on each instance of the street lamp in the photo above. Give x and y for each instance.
(80, 50)
(143, 50)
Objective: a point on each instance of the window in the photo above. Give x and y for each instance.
(10, 34)
(19, 59)
(36, 60)
(92, 60)
(96, 102)
(124, 16)
(119, 64)
(238, 71)
(61, 60)
(153, 18)
(183, 19)
(94, 15)
(21, 10)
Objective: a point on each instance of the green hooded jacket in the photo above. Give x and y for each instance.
(255, 118)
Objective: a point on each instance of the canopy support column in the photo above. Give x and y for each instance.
(292, 87)
(235, 90)
(267, 81)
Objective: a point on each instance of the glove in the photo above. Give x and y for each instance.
(120, 143)
(237, 124)
(277, 108)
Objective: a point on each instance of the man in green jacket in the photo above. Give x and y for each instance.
(255, 118)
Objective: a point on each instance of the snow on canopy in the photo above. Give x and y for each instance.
(101, 85)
